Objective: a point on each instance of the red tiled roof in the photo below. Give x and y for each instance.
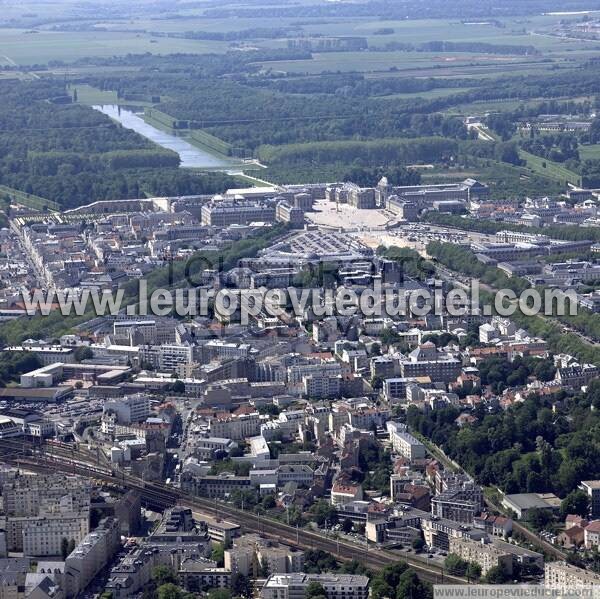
(593, 526)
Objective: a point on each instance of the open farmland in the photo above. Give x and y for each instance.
(301, 96)
(29, 47)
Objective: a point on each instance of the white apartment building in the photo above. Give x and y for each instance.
(592, 534)
(126, 331)
(149, 330)
(250, 552)
(321, 387)
(166, 358)
(129, 409)
(337, 586)
(286, 424)
(485, 554)
(298, 473)
(426, 360)
(225, 350)
(91, 555)
(563, 575)
(259, 449)
(343, 493)
(205, 447)
(404, 443)
(236, 428)
(47, 354)
(135, 570)
(240, 559)
(297, 372)
(43, 536)
(280, 559)
(26, 495)
(364, 418)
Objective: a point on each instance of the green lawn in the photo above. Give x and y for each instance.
(591, 152)
(554, 170)
(86, 94)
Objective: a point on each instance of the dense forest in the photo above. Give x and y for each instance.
(308, 128)
(250, 117)
(385, 152)
(13, 364)
(526, 448)
(356, 84)
(74, 155)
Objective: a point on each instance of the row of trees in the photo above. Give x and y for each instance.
(501, 373)
(558, 147)
(462, 259)
(355, 84)
(384, 152)
(565, 232)
(445, 46)
(460, 567)
(395, 581)
(370, 176)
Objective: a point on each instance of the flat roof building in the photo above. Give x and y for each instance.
(337, 586)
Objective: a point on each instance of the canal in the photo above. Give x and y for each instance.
(191, 156)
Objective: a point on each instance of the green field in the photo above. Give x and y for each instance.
(27, 48)
(554, 170)
(591, 152)
(106, 33)
(510, 31)
(429, 64)
(86, 94)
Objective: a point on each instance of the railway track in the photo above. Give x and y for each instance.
(157, 496)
